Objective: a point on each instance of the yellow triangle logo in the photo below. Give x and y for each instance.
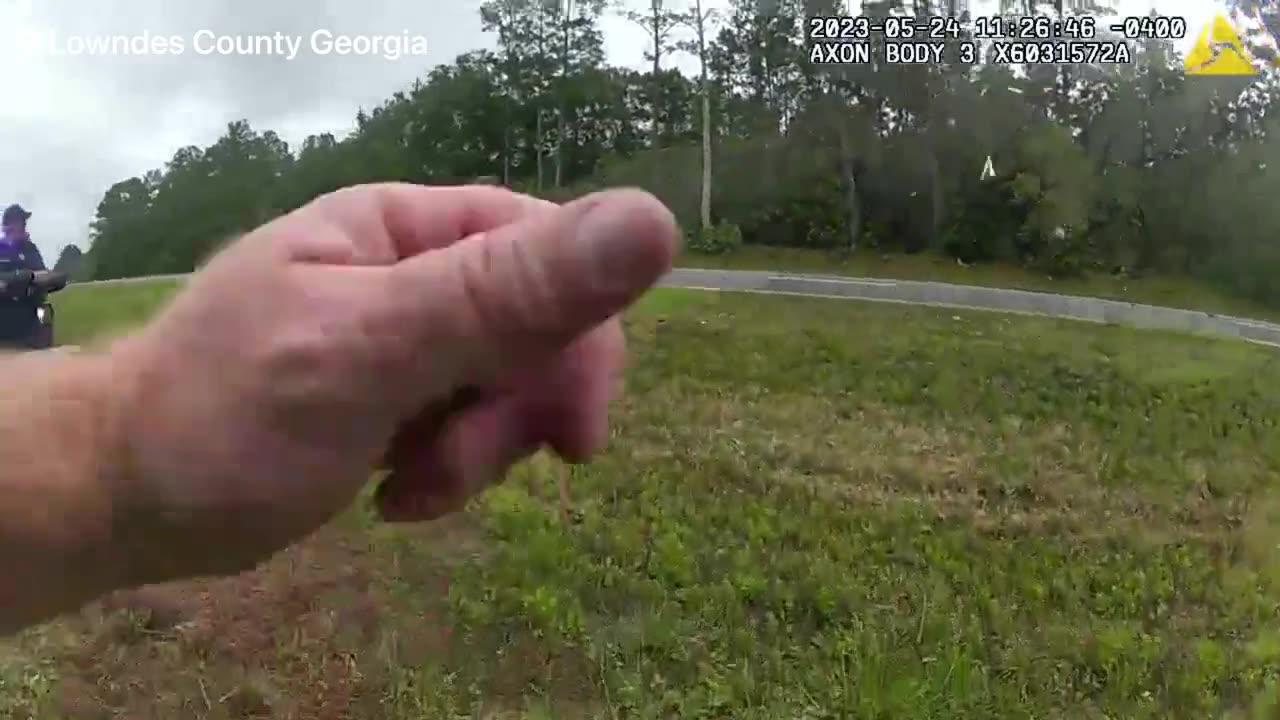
(1218, 51)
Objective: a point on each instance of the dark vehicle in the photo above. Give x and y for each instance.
(26, 317)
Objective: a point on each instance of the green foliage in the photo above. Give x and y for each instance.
(809, 219)
(857, 511)
(718, 239)
(1125, 168)
(986, 226)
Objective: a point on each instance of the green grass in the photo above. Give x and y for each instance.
(811, 509)
(1159, 290)
(85, 313)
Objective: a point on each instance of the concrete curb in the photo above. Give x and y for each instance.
(947, 295)
(979, 298)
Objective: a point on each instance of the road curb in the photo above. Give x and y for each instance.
(970, 297)
(938, 294)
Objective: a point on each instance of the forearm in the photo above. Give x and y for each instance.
(60, 470)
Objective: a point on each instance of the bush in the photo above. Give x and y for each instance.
(1062, 253)
(796, 221)
(718, 239)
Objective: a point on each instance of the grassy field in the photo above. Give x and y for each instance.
(1158, 290)
(811, 509)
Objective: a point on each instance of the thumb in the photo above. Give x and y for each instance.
(517, 294)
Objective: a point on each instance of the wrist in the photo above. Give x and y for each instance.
(59, 494)
(140, 548)
(118, 530)
(152, 459)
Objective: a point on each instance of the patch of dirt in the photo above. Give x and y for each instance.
(566, 677)
(305, 636)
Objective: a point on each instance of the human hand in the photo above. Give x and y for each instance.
(333, 340)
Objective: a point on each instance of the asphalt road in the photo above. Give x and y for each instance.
(947, 295)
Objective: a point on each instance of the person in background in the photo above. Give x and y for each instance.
(16, 248)
(18, 317)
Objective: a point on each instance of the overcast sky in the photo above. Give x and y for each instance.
(74, 124)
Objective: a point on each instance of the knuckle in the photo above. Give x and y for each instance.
(304, 356)
(383, 336)
(508, 287)
(298, 359)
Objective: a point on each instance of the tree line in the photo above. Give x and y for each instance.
(1128, 169)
